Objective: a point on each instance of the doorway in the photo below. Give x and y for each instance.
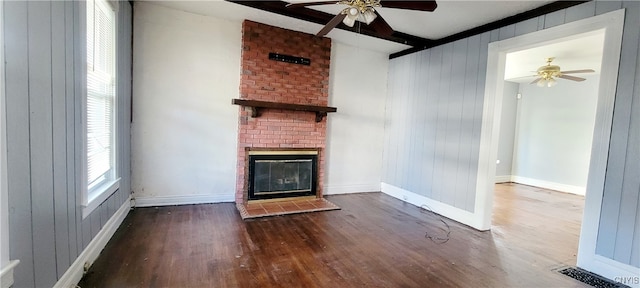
(612, 24)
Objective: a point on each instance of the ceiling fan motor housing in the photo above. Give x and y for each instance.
(549, 71)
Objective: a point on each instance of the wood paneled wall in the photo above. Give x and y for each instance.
(434, 113)
(619, 230)
(47, 231)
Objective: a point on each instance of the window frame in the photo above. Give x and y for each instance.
(93, 197)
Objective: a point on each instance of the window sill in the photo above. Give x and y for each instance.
(98, 196)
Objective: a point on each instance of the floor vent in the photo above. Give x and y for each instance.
(592, 279)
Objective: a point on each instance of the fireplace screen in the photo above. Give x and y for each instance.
(278, 176)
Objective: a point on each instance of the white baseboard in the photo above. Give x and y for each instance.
(611, 269)
(6, 275)
(182, 200)
(457, 214)
(346, 189)
(503, 178)
(549, 185)
(91, 253)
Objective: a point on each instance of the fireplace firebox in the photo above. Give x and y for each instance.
(282, 174)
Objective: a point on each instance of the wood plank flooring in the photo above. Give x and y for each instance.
(374, 241)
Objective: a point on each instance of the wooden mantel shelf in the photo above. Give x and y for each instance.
(255, 105)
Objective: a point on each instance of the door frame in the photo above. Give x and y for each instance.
(612, 23)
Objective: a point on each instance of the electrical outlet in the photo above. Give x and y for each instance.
(86, 267)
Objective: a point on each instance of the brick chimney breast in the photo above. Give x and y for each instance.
(274, 81)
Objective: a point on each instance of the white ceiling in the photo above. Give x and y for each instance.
(576, 53)
(449, 18)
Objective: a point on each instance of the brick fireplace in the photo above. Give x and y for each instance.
(263, 79)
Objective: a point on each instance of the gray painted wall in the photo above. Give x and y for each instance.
(619, 233)
(433, 119)
(507, 128)
(434, 111)
(555, 131)
(47, 232)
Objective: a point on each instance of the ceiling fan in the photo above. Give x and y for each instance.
(365, 11)
(547, 73)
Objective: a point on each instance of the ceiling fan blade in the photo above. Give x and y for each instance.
(332, 24)
(536, 81)
(578, 71)
(410, 5)
(572, 78)
(381, 26)
(303, 4)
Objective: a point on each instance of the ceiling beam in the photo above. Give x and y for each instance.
(319, 17)
(542, 10)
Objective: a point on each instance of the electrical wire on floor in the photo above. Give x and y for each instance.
(437, 238)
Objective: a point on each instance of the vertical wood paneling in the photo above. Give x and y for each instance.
(554, 19)
(409, 133)
(78, 44)
(608, 6)
(435, 76)
(634, 153)
(425, 113)
(416, 134)
(454, 118)
(399, 95)
(477, 116)
(635, 249)
(581, 11)
(58, 74)
(440, 156)
(614, 177)
(541, 20)
(627, 222)
(507, 32)
(17, 117)
(621, 187)
(42, 53)
(69, 132)
(41, 134)
(526, 26)
(402, 100)
(466, 129)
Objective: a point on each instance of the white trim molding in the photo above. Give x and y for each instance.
(612, 23)
(6, 274)
(614, 270)
(348, 189)
(454, 213)
(578, 190)
(182, 200)
(91, 253)
(503, 179)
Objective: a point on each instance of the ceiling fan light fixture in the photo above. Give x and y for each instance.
(551, 82)
(349, 21)
(369, 15)
(352, 16)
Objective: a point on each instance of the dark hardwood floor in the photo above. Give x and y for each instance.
(374, 241)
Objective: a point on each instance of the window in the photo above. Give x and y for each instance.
(100, 104)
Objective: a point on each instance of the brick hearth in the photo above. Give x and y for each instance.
(268, 80)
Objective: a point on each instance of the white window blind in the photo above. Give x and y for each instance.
(100, 100)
